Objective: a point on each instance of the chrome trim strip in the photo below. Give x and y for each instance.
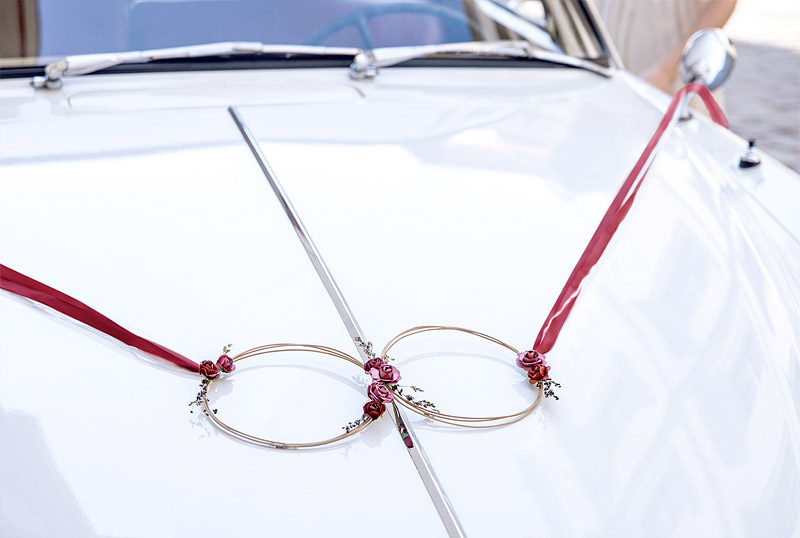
(604, 35)
(421, 462)
(316, 259)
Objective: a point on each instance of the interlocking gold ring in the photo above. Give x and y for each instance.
(278, 348)
(459, 420)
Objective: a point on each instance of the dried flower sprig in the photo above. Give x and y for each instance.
(366, 346)
(201, 395)
(547, 385)
(355, 424)
(425, 404)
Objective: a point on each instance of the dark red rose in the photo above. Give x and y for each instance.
(225, 364)
(374, 409)
(373, 363)
(537, 373)
(529, 359)
(209, 370)
(385, 373)
(380, 393)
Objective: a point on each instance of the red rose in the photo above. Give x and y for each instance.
(373, 363)
(209, 370)
(225, 364)
(529, 359)
(380, 393)
(537, 373)
(374, 409)
(385, 373)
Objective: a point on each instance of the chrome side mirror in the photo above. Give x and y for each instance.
(708, 57)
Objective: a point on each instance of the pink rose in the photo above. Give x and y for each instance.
(209, 370)
(374, 409)
(380, 393)
(537, 373)
(385, 373)
(529, 359)
(373, 363)
(225, 364)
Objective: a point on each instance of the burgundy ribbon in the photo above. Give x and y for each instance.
(24, 286)
(616, 212)
(20, 284)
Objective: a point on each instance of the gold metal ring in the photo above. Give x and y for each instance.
(459, 420)
(280, 348)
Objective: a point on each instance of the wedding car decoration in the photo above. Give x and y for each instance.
(384, 378)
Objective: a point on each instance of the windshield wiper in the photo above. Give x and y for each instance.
(367, 63)
(89, 63)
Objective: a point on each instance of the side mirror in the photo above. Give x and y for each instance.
(708, 57)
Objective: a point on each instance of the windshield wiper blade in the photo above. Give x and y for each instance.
(89, 63)
(367, 63)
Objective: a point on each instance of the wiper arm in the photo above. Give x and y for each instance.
(366, 63)
(89, 63)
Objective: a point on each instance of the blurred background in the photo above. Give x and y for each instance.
(763, 94)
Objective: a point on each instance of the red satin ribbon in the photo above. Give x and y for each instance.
(20, 284)
(614, 215)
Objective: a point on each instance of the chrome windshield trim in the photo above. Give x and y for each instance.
(418, 456)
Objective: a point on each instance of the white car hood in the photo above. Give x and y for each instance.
(464, 202)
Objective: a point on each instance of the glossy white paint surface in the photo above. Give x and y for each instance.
(458, 197)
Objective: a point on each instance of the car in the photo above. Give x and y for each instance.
(304, 187)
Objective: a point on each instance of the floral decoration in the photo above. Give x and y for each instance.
(538, 371)
(375, 362)
(210, 371)
(383, 389)
(379, 392)
(385, 373)
(374, 409)
(226, 364)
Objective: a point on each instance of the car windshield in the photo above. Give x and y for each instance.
(50, 29)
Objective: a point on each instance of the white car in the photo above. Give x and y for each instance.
(442, 163)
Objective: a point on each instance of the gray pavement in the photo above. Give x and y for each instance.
(762, 97)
